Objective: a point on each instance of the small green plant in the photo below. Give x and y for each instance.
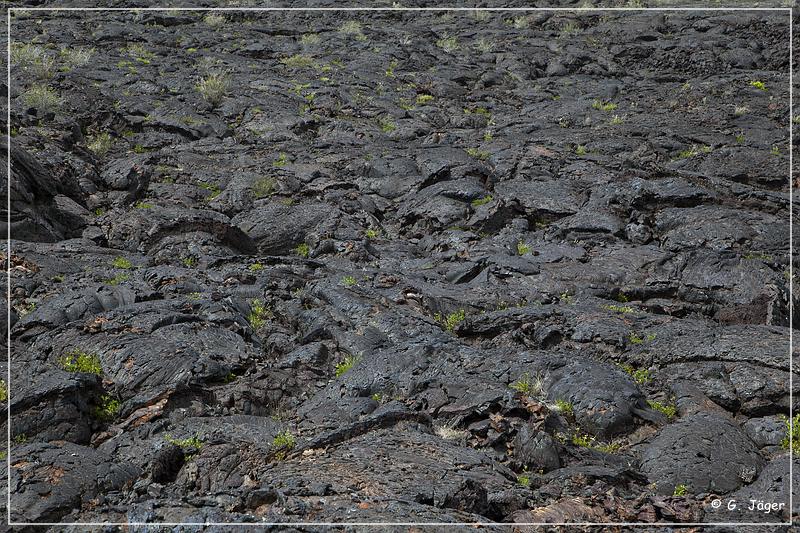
(693, 151)
(141, 54)
(618, 308)
(32, 59)
(284, 442)
(107, 409)
(143, 205)
(22, 438)
(378, 397)
(100, 144)
(566, 297)
(483, 155)
(80, 361)
(212, 188)
(189, 261)
(302, 250)
(423, 99)
(740, 110)
(680, 490)
(386, 124)
(345, 365)
(667, 410)
(190, 445)
(484, 45)
(213, 88)
(310, 39)
(528, 386)
(524, 478)
(281, 161)
(792, 434)
(523, 249)
(299, 61)
(640, 375)
(482, 201)
(775, 150)
(564, 407)
(760, 85)
(42, 98)
(580, 150)
(3, 390)
(487, 136)
(448, 43)
(119, 278)
(255, 267)
(635, 339)
(604, 106)
(353, 27)
(740, 138)
(263, 187)
(616, 120)
(121, 262)
(349, 281)
(583, 440)
(258, 314)
(372, 233)
(214, 20)
(452, 320)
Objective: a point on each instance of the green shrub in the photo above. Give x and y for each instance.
(263, 187)
(80, 361)
(564, 407)
(760, 85)
(3, 390)
(33, 59)
(255, 267)
(281, 161)
(482, 201)
(258, 314)
(302, 250)
(528, 386)
(793, 429)
(214, 20)
(190, 446)
(680, 490)
(483, 155)
(386, 124)
(423, 99)
(100, 144)
(213, 88)
(522, 248)
(121, 262)
(299, 61)
(619, 308)
(107, 409)
(42, 98)
(119, 278)
(284, 442)
(76, 57)
(448, 44)
(604, 106)
(352, 27)
(667, 410)
(349, 281)
(452, 320)
(212, 188)
(345, 365)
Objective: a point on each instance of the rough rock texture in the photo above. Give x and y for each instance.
(400, 266)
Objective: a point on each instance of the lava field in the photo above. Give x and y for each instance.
(407, 267)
